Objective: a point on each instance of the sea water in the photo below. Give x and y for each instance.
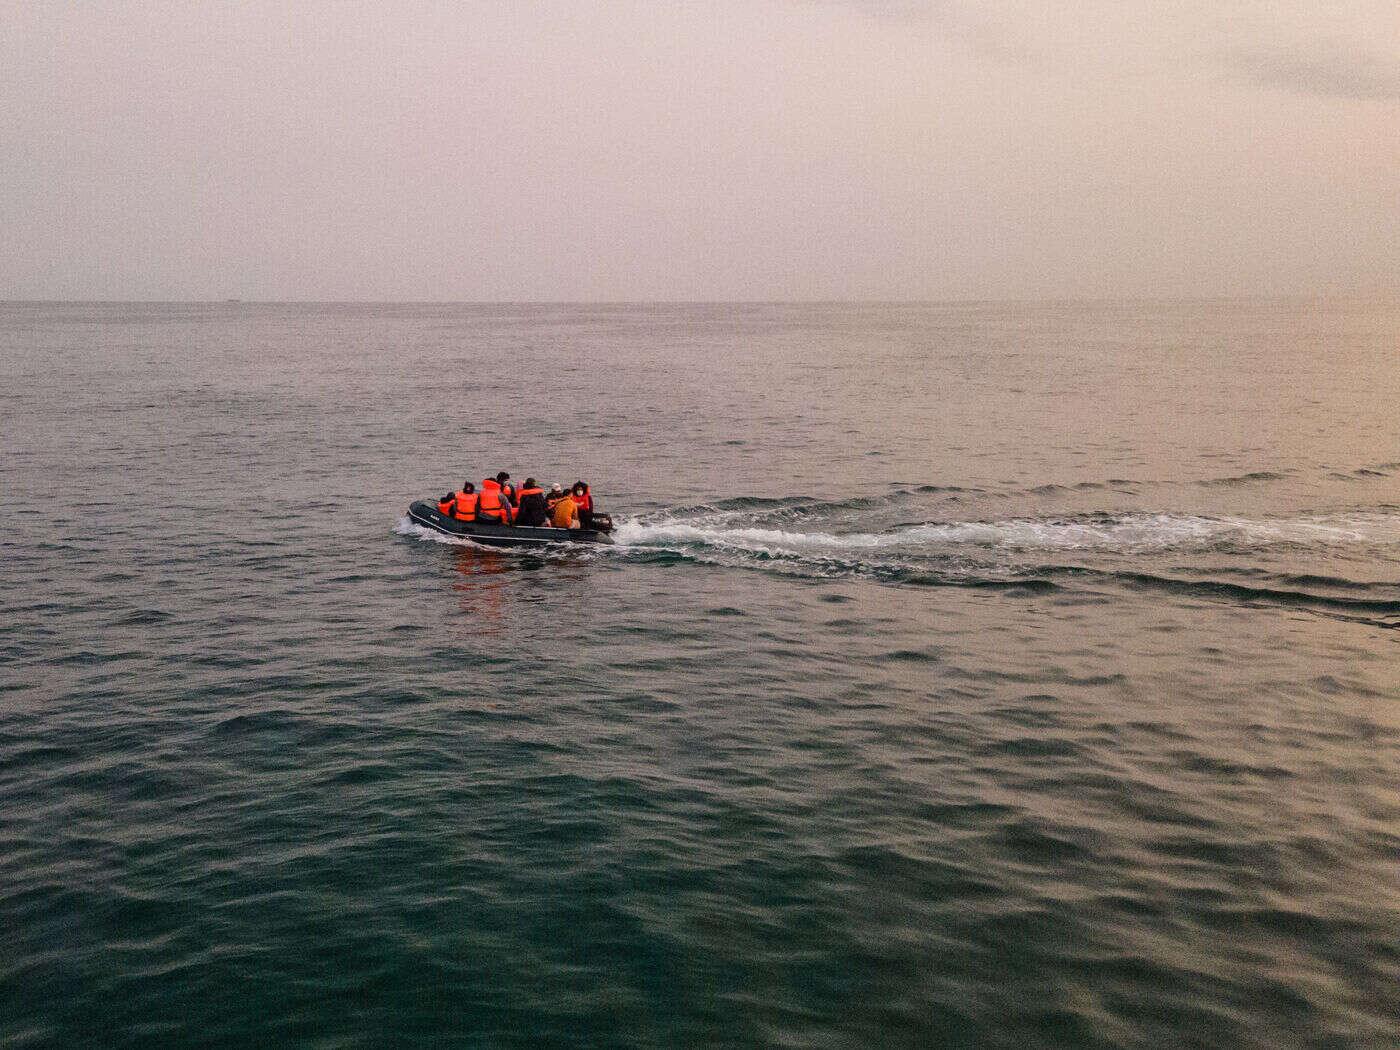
(985, 675)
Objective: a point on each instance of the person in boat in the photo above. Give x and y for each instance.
(531, 509)
(566, 513)
(583, 499)
(504, 480)
(552, 498)
(492, 503)
(460, 505)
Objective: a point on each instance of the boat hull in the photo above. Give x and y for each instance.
(427, 515)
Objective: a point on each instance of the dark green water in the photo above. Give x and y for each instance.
(966, 676)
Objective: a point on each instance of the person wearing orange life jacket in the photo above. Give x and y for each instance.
(530, 510)
(492, 505)
(464, 506)
(460, 505)
(583, 499)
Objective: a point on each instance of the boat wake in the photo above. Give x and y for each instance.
(1234, 560)
(406, 526)
(1118, 534)
(1217, 559)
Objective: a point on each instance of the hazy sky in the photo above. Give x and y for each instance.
(730, 149)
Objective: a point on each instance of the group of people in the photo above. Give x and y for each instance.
(501, 503)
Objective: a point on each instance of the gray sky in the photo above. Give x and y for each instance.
(729, 149)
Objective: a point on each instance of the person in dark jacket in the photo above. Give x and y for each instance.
(531, 509)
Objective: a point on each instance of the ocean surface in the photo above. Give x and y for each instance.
(964, 675)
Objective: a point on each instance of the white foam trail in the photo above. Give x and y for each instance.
(408, 527)
(1125, 534)
(637, 534)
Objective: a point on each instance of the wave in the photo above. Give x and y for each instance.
(776, 510)
(1247, 593)
(1245, 479)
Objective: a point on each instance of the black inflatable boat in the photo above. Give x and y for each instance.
(427, 515)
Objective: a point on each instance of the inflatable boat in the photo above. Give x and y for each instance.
(493, 535)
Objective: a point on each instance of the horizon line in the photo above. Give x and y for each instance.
(231, 301)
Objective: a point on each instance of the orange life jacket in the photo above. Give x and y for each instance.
(585, 502)
(528, 492)
(493, 504)
(445, 507)
(465, 509)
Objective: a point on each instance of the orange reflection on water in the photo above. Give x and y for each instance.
(489, 583)
(482, 585)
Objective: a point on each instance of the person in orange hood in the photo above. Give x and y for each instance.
(493, 505)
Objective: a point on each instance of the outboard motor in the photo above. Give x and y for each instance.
(602, 523)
